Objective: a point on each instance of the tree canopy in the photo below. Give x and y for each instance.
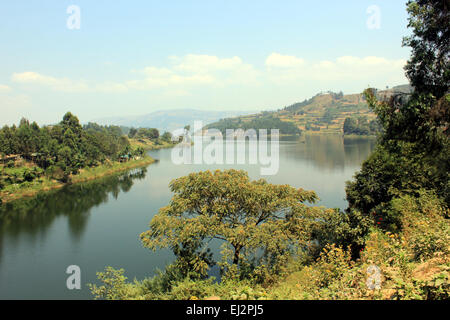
(65, 147)
(428, 68)
(361, 126)
(255, 220)
(267, 122)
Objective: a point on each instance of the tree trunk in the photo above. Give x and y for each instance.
(237, 249)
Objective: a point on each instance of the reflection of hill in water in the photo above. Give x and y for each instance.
(34, 216)
(331, 151)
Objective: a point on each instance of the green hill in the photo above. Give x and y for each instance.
(325, 112)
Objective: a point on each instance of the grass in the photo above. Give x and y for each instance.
(356, 136)
(110, 168)
(148, 144)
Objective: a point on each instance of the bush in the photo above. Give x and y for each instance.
(345, 229)
(114, 286)
(423, 219)
(55, 172)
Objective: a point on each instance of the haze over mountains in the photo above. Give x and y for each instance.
(169, 120)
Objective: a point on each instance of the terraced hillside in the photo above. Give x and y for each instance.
(325, 112)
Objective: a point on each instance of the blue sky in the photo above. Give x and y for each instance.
(135, 57)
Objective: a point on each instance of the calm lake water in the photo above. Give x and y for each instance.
(97, 224)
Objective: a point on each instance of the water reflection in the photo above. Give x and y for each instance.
(34, 216)
(329, 152)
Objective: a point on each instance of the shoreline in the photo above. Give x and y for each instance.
(359, 136)
(87, 174)
(149, 145)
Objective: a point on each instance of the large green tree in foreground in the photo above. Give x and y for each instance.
(260, 224)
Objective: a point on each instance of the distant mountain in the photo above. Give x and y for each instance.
(169, 120)
(325, 112)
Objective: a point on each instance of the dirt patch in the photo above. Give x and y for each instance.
(425, 271)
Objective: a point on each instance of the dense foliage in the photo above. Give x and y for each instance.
(62, 149)
(259, 224)
(412, 264)
(267, 122)
(361, 126)
(149, 133)
(429, 67)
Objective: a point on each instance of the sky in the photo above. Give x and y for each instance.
(114, 58)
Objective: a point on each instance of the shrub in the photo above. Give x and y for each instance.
(114, 286)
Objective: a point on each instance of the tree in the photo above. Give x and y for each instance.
(413, 150)
(267, 121)
(25, 134)
(71, 122)
(149, 133)
(350, 125)
(428, 68)
(167, 136)
(256, 221)
(67, 146)
(132, 133)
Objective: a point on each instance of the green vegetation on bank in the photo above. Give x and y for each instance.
(276, 247)
(393, 242)
(28, 180)
(150, 139)
(148, 144)
(263, 121)
(360, 126)
(34, 159)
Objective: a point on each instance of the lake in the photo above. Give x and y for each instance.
(97, 224)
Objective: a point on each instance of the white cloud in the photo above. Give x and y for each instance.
(65, 84)
(282, 61)
(196, 70)
(163, 77)
(220, 71)
(365, 70)
(4, 88)
(189, 72)
(59, 84)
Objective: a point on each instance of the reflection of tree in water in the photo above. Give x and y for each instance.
(33, 216)
(326, 150)
(331, 151)
(358, 149)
